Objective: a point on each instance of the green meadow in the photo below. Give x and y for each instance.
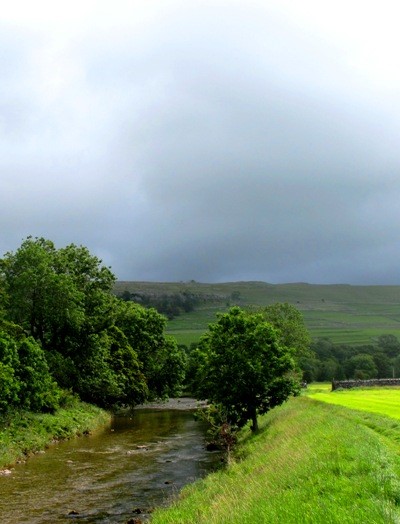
(312, 462)
(383, 401)
(346, 314)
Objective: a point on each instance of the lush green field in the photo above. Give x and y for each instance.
(311, 463)
(375, 400)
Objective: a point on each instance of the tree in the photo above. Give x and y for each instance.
(106, 350)
(25, 381)
(38, 390)
(246, 370)
(163, 362)
(9, 383)
(289, 323)
(361, 367)
(62, 298)
(390, 345)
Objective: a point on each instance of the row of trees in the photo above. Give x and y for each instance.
(343, 361)
(61, 327)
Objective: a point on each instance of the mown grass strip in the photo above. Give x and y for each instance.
(23, 433)
(383, 401)
(311, 463)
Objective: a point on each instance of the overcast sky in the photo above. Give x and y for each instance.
(207, 140)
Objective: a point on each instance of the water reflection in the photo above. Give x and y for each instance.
(136, 464)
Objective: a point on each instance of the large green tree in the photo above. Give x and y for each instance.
(107, 350)
(244, 367)
(63, 299)
(56, 295)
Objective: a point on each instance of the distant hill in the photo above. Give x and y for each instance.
(263, 293)
(345, 313)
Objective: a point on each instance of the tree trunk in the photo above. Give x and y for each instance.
(254, 426)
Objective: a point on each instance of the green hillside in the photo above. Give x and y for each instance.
(344, 313)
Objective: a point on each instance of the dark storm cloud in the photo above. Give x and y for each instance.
(207, 143)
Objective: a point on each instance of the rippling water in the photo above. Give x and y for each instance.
(136, 464)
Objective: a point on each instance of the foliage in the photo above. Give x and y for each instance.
(38, 390)
(343, 361)
(106, 350)
(25, 380)
(163, 363)
(289, 323)
(221, 434)
(245, 370)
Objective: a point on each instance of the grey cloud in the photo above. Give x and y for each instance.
(211, 144)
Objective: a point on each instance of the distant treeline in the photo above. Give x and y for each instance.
(343, 361)
(170, 305)
(174, 304)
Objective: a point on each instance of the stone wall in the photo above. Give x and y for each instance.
(347, 384)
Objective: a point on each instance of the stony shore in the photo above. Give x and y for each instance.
(183, 404)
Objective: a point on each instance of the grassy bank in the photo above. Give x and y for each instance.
(24, 433)
(311, 462)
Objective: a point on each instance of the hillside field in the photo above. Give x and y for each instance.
(343, 313)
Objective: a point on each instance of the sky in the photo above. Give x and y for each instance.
(205, 140)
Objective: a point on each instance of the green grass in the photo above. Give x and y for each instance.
(23, 433)
(317, 387)
(312, 462)
(383, 401)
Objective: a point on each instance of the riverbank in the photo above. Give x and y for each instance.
(310, 463)
(24, 433)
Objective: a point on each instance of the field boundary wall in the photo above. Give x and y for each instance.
(348, 384)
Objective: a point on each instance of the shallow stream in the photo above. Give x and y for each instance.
(119, 473)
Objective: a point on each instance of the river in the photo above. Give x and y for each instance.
(117, 474)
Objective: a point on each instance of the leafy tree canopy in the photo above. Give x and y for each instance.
(106, 350)
(289, 323)
(245, 369)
